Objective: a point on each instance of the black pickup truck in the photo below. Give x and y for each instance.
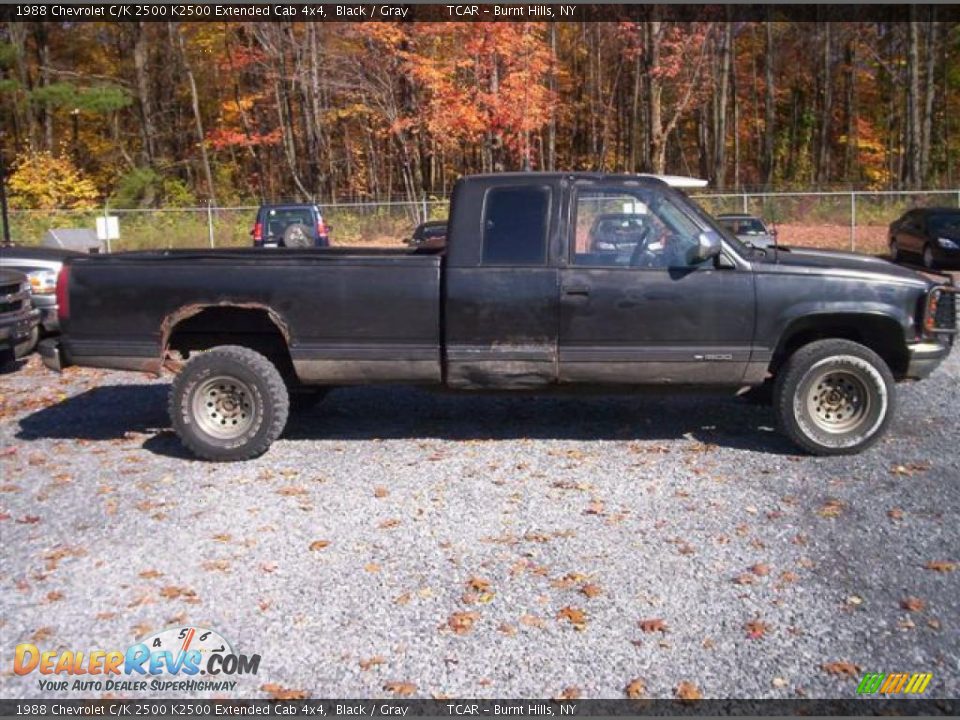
(519, 299)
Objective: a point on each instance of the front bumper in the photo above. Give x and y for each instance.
(51, 354)
(925, 357)
(18, 328)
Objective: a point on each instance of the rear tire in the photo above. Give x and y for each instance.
(228, 403)
(894, 251)
(834, 397)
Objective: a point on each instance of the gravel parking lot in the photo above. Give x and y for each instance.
(399, 542)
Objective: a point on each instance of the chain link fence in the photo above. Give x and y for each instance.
(838, 220)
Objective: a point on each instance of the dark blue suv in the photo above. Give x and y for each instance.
(292, 226)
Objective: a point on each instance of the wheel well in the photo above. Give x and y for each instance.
(196, 329)
(881, 334)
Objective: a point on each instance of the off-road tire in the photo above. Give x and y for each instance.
(834, 397)
(297, 235)
(264, 395)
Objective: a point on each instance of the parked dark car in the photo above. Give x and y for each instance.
(617, 233)
(290, 226)
(749, 229)
(18, 318)
(430, 234)
(41, 265)
(518, 300)
(930, 234)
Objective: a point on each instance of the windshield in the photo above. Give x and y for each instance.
(946, 225)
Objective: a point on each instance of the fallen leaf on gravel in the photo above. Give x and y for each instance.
(833, 508)
(389, 523)
(594, 508)
(591, 590)
(569, 693)
(372, 662)
(402, 599)
(532, 621)
(462, 622)
(895, 514)
(478, 584)
(842, 667)
(172, 592)
(855, 600)
(292, 491)
(29, 520)
(222, 537)
(789, 576)
(779, 682)
(760, 569)
(42, 634)
(278, 692)
(653, 625)
(636, 689)
(372, 567)
(507, 629)
(151, 574)
(268, 567)
(933, 623)
(687, 691)
(912, 604)
(576, 616)
(217, 566)
(400, 688)
(943, 566)
(756, 629)
(910, 469)
(744, 579)
(380, 492)
(319, 544)
(106, 615)
(54, 596)
(10, 488)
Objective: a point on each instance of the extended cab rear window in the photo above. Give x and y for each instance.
(515, 221)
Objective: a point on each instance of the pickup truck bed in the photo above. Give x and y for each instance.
(347, 315)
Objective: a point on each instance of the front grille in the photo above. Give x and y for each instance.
(9, 307)
(10, 289)
(945, 317)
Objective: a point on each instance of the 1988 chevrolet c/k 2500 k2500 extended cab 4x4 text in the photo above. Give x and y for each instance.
(521, 298)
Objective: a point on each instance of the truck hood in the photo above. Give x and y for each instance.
(831, 262)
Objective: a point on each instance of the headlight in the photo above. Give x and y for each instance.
(948, 244)
(43, 282)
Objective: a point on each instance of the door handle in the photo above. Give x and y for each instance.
(581, 290)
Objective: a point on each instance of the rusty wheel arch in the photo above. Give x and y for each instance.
(170, 322)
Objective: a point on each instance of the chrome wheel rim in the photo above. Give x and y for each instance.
(224, 407)
(838, 401)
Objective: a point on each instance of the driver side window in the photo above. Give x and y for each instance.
(630, 227)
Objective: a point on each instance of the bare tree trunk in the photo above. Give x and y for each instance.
(913, 101)
(43, 58)
(148, 132)
(851, 170)
(769, 110)
(198, 120)
(552, 127)
(826, 108)
(932, 37)
(720, 132)
(658, 141)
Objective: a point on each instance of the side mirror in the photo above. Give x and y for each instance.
(708, 246)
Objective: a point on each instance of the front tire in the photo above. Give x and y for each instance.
(834, 397)
(229, 403)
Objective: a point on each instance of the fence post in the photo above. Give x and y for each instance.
(106, 226)
(744, 203)
(853, 220)
(210, 223)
